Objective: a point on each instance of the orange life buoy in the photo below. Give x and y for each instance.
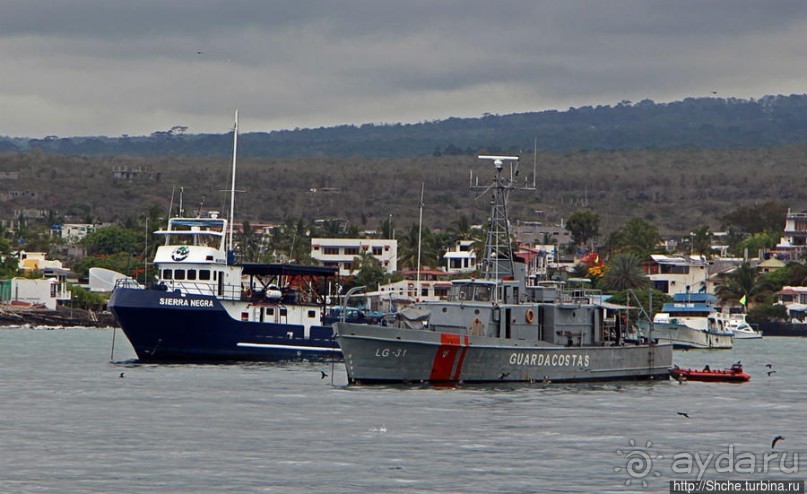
(529, 316)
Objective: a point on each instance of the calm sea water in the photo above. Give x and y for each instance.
(69, 423)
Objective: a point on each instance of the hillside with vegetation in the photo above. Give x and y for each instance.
(678, 189)
(738, 166)
(702, 123)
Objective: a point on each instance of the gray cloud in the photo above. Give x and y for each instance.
(90, 67)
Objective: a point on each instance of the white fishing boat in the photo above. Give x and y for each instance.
(741, 328)
(691, 321)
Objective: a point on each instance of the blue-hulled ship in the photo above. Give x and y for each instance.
(204, 308)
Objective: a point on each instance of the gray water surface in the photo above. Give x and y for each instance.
(69, 423)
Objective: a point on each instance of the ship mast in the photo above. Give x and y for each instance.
(498, 261)
(232, 188)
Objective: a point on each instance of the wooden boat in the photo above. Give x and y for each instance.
(733, 375)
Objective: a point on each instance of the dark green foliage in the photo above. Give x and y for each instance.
(744, 281)
(701, 241)
(112, 240)
(584, 225)
(624, 272)
(766, 313)
(643, 296)
(756, 244)
(637, 236)
(82, 298)
(370, 273)
(757, 218)
(121, 262)
(9, 262)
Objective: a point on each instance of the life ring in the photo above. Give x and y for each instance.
(529, 316)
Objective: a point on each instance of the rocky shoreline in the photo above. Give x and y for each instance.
(62, 316)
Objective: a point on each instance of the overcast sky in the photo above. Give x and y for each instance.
(104, 67)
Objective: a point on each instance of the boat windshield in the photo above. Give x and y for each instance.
(197, 231)
(471, 291)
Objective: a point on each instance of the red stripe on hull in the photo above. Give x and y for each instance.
(445, 359)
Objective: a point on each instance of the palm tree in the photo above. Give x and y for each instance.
(249, 243)
(744, 281)
(624, 271)
(701, 241)
(637, 236)
(408, 248)
(462, 228)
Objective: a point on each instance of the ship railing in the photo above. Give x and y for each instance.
(227, 292)
(127, 283)
(579, 296)
(223, 292)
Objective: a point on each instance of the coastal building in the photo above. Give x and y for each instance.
(461, 257)
(36, 261)
(794, 239)
(45, 293)
(534, 232)
(537, 259)
(681, 274)
(342, 252)
(72, 232)
(770, 265)
(432, 285)
(794, 298)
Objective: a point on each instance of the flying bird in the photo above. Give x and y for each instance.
(776, 440)
(768, 365)
(685, 414)
(324, 375)
(504, 374)
(121, 375)
(771, 372)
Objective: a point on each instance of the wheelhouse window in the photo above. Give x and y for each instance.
(167, 274)
(191, 274)
(204, 274)
(179, 274)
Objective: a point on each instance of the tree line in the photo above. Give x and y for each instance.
(703, 123)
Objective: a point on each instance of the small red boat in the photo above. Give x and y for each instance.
(733, 375)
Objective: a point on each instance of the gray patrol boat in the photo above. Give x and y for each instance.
(498, 328)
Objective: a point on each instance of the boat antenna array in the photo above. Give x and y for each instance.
(498, 259)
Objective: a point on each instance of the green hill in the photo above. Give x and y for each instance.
(704, 123)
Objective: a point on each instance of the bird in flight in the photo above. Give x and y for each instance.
(685, 414)
(324, 375)
(776, 440)
(121, 375)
